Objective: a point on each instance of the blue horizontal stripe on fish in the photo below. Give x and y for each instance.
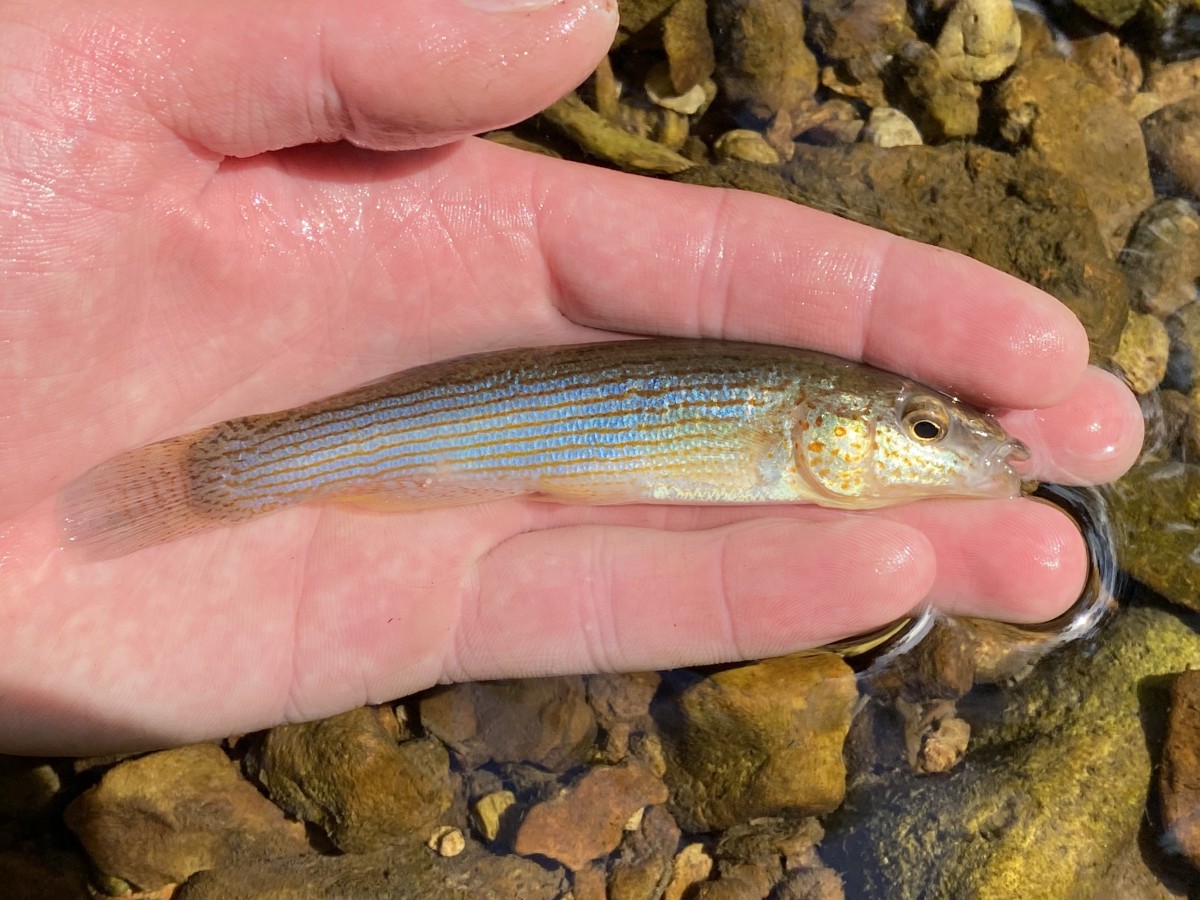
(526, 438)
(432, 405)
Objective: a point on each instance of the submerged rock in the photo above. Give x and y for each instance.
(1157, 509)
(1179, 776)
(161, 818)
(1111, 12)
(859, 39)
(1012, 213)
(1053, 111)
(765, 66)
(1162, 258)
(1175, 81)
(585, 821)
(621, 704)
(888, 127)
(692, 866)
(1173, 136)
(637, 14)
(543, 721)
(402, 869)
(348, 776)
(1051, 794)
(1142, 353)
(644, 863)
(688, 44)
(758, 740)
(1112, 65)
(942, 105)
(980, 39)
(746, 145)
(773, 857)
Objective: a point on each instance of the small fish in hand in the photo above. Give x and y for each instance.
(636, 421)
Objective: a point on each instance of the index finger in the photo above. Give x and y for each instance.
(678, 259)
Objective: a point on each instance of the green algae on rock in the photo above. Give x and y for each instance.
(1053, 790)
(1157, 506)
(1111, 12)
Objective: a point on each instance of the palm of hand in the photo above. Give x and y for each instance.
(153, 287)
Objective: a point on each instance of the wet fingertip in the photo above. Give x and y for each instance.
(1033, 570)
(1094, 436)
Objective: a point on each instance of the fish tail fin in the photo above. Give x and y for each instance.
(132, 501)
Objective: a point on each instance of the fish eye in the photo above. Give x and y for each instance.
(926, 421)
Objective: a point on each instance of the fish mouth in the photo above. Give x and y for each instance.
(996, 475)
(1013, 451)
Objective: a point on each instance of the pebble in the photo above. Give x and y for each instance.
(586, 820)
(447, 841)
(661, 91)
(692, 865)
(943, 107)
(488, 813)
(888, 127)
(1110, 64)
(746, 145)
(980, 40)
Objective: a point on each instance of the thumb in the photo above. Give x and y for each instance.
(240, 78)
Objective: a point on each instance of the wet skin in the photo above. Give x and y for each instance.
(173, 257)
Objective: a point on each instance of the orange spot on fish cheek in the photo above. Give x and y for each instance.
(816, 446)
(840, 431)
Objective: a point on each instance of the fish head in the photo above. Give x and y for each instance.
(862, 450)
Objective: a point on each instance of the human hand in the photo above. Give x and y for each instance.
(169, 262)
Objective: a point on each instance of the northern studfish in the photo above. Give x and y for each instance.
(636, 421)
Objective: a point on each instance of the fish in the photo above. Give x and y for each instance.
(656, 420)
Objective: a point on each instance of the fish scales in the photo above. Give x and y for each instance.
(560, 420)
(654, 420)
